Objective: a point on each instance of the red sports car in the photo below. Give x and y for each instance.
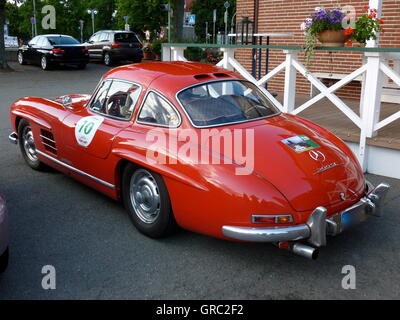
(196, 146)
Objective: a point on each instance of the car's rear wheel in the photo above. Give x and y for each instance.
(4, 261)
(107, 59)
(21, 59)
(147, 201)
(27, 145)
(44, 63)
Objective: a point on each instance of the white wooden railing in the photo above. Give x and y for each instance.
(374, 69)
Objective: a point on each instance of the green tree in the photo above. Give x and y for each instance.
(178, 7)
(3, 61)
(203, 9)
(143, 15)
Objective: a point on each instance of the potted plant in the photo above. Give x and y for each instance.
(333, 28)
(156, 48)
(366, 27)
(147, 52)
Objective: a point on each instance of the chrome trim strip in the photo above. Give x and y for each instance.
(76, 170)
(47, 139)
(293, 233)
(49, 146)
(13, 138)
(228, 123)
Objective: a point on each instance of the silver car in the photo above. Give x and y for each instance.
(3, 235)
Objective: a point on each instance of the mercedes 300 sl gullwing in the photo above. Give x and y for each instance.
(192, 145)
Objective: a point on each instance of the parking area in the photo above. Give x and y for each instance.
(98, 254)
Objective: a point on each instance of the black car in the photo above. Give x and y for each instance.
(52, 50)
(112, 46)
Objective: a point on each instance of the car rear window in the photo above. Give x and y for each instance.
(225, 102)
(62, 40)
(126, 37)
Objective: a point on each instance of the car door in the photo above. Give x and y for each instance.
(91, 45)
(104, 43)
(98, 46)
(90, 131)
(28, 51)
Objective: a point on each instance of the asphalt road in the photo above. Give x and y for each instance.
(98, 254)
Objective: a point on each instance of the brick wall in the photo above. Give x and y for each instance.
(285, 16)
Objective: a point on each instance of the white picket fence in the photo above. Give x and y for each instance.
(374, 71)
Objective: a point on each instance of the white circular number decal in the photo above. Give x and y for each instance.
(86, 128)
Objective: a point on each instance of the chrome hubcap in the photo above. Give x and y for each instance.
(29, 144)
(20, 58)
(145, 197)
(44, 62)
(107, 59)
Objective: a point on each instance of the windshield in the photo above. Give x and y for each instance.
(126, 37)
(62, 40)
(224, 102)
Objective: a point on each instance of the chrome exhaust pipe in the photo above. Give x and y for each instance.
(305, 251)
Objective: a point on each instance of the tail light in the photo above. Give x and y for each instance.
(58, 51)
(273, 219)
(116, 45)
(85, 50)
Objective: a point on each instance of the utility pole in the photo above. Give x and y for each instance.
(206, 31)
(92, 12)
(81, 28)
(226, 5)
(34, 18)
(214, 21)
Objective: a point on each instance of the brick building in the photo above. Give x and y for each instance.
(285, 16)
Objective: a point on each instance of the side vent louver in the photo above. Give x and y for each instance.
(48, 141)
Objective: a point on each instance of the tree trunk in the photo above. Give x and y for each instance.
(3, 61)
(179, 7)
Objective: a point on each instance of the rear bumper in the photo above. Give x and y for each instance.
(318, 225)
(126, 54)
(62, 60)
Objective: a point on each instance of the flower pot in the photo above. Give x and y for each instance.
(147, 55)
(333, 38)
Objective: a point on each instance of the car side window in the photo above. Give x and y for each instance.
(99, 101)
(121, 99)
(116, 99)
(156, 110)
(40, 43)
(45, 42)
(103, 36)
(95, 37)
(34, 41)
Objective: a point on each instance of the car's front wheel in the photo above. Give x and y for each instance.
(21, 58)
(28, 146)
(4, 261)
(147, 201)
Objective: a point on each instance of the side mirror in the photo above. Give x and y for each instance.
(66, 101)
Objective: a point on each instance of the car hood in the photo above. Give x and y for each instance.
(319, 175)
